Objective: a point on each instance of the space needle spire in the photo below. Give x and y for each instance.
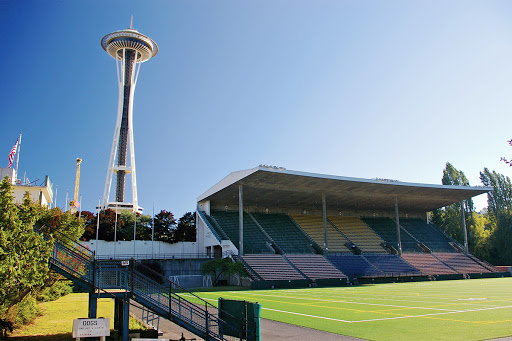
(129, 48)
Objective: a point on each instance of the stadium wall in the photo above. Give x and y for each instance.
(142, 248)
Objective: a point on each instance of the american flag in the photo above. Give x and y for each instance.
(12, 153)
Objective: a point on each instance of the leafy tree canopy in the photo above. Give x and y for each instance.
(222, 267)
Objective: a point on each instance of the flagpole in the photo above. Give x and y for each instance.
(98, 226)
(134, 232)
(66, 202)
(153, 234)
(115, 234)
(80, 212)
(18, 156)
(55, 199)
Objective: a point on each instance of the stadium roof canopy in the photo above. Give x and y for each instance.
(277, 187)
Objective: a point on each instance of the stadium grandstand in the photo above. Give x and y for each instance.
(293, 228)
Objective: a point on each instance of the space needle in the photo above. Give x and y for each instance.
(129, 48)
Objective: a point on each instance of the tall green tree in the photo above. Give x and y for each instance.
(107, 224)
(449, 218)
(499, 209)
(186, 229)
(142, 223)
(164, 225)
(24, 254)
(500, 199)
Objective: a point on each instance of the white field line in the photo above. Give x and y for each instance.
(449, 300)
(379, 319)
(386, 318)
(375, 304)
(365, 303)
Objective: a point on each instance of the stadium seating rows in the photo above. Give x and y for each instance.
(425, 233)
(427, 264)
(285, 233)
(354, 265)
(460, 262)
(255, 240)
(315, 266)
(314, 227)
(391, 265)
(296, 236)
(272, 267)
(358, 233)
(386, 229)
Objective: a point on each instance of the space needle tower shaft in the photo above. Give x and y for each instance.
(130, 48)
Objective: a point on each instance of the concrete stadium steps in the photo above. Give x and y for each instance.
(285, 233)
(427, 264)
(433, 238)
(354, 265)
(254, 240)
(272, 267)
(315, 266)
(358, 233)
(391, 264)
(314, 227)
(460, 262)
(386, 229)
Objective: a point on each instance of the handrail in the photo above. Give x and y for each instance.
(207, 223)
(45, 229)
(147, 287)
(160, 256)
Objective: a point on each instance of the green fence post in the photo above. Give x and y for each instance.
(206, 321)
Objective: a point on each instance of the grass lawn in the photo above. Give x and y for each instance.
(445, 310)
(56, 322)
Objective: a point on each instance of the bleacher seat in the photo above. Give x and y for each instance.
(427, 234)
(460, 262)
(427, 264)
(314, 227)
(359, 233)
(315, 266)
(216, 228)
(285, 233)
(255, 241)
(391, 264)
(272, 267)
(386, 229)
(354, 265)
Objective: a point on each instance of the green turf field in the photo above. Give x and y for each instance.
(475, 309)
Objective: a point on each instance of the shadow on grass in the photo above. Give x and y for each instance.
(56, 337)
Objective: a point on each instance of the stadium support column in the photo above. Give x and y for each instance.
(241, 219)
(324, 214)
(397, 219)
(463, 214)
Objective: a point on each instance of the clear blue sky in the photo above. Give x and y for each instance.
(389, 89)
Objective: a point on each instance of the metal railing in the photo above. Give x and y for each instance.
(147, 287)
(158, 256)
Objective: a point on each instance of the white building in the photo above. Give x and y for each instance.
(40, 191)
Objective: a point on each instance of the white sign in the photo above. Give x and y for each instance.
(125, 262)
(91, 327)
